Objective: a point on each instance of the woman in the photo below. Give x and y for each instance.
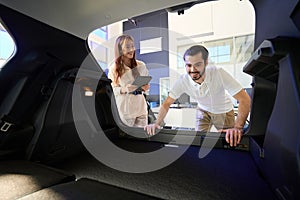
(132, 107)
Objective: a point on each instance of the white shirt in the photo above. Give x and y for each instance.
(129, 105)
(211, 94)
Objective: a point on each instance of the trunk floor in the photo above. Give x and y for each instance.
(222, 174)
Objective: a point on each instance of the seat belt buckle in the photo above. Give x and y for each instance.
(5, 127)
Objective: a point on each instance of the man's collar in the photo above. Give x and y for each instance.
(191, 80)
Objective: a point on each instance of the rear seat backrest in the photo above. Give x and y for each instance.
(58, 137)
(263, 98)
(282, 140)
(11, 98)
(279, 158)
(26, 97)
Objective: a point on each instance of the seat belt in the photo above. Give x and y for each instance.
(30, 98)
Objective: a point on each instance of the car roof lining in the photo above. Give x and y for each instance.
(98, 13)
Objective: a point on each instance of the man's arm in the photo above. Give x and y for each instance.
(243, 109)
(234, 135)
(161, 115)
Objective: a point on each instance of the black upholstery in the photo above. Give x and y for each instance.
(85, 189)
(24, 99)
(277, 114)
(222, 174)
(58, 137)
(29, 180)
(281, 163)
(263, 98)
(19, 178)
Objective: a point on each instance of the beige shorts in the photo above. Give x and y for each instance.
(205, 120)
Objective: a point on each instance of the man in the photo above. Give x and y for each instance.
(211, 87)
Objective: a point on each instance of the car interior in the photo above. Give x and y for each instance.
(61, 136)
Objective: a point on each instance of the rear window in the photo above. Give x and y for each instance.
(225, 28)
(7, 46)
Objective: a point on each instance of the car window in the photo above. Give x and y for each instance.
(225, 28)
(7, 46)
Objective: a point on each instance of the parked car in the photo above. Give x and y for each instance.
(62, 138)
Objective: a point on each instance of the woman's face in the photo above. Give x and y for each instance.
(128, 49)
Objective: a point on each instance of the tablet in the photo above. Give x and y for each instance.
(141, 80)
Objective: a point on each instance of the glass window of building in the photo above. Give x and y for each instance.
(95, 41)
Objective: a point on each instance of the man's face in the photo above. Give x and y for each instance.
(195, 66)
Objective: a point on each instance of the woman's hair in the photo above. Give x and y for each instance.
(120, 70)
(195, 50)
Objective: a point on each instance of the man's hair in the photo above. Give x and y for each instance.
(195, 50)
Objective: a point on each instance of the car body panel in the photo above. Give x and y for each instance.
(53, 62)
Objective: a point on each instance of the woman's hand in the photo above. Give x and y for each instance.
(128, 88)
(145, 87)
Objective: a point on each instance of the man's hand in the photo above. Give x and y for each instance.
(160, 117)
(151, 128)
(233, 136)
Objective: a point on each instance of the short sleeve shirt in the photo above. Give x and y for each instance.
(213, 94)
